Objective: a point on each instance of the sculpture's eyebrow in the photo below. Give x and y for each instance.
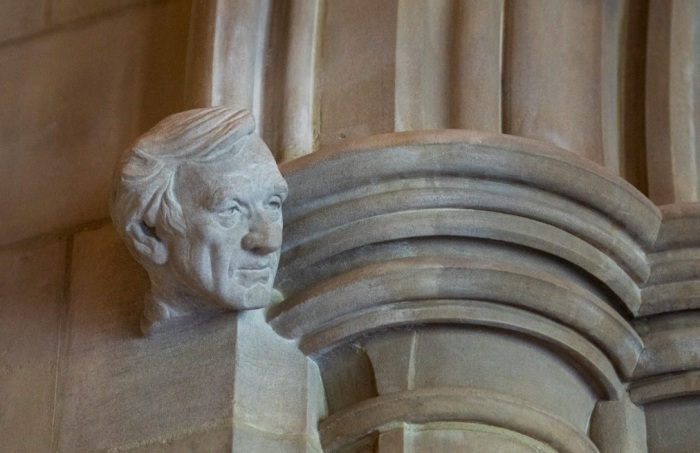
(220, 197)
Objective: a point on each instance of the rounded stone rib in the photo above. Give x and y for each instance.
(431, 278)
(464, 193)
(670, 297)
(600, 373)
(675, 265)
(466, 154)
(675, 282)
(451, 404)
(679, 229)
(665, 387)
(471, 224)
(671, 344)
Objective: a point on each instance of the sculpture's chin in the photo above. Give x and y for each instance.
(258, 295)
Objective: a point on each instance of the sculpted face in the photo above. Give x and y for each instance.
(232, 209)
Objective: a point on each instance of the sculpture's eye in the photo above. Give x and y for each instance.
(275, 202)
(230, 210)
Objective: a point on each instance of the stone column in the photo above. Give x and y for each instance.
(454, 289)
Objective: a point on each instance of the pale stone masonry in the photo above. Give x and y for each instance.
(528, 282)
(75, 92)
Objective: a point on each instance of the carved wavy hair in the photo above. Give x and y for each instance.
(143, 190)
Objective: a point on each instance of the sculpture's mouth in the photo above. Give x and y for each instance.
(256, 266)
(249, 276)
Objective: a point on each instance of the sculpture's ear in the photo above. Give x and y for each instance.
(147, 243)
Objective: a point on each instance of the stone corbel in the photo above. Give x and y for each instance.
(466, 286)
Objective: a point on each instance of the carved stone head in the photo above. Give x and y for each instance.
(198, 201)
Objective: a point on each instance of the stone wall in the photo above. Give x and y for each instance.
(78, 81)
(76, 374)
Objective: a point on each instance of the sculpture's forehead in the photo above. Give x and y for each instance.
(250, 171)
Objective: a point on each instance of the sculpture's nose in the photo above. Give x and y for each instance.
(263, 237)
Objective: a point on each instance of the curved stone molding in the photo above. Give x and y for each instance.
(423, 279)
(451, 404)
(666, 381)
(470, 313)
(468, 154)
(409, 194)
(450, 222)
(675, 281)
(666, 387)
(417, 263)
(671, 343)
(453, 436)
(602, 224)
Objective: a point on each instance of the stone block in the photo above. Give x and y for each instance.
(72, 100)
(31, 287)
(393, 357)
(31, 293)
(26, 408)
(120, 389)
(618, 427)
(216, 439)
(20, 17)
(271, 379)
(343, 368)
(249, 439)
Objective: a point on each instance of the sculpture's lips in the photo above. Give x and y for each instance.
(248, 276)
(255, 267)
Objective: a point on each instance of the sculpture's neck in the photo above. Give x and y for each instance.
(165, 309)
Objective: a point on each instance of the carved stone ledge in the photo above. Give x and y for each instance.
(472, 314)
(675, 261)
(452, 404)
(420, 265)
(379, 286)
(671, 343)
(666, 387)
(399, 173)
(666, 381)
